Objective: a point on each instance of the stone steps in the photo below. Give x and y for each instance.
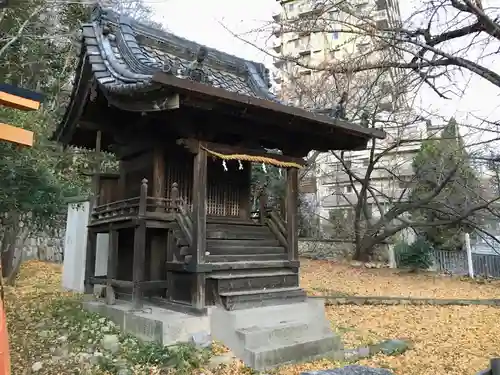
(266, 337)
(269, 356)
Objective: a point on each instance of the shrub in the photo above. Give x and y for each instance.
(415, 256)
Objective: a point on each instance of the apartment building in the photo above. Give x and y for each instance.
(317, 34)
(391, 178)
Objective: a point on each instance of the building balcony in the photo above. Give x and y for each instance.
(277, 46)
(380, 15)
(278, 63)
(304, 50)
(386, 106)
(277, 30)
(313, 9)
(278, 78)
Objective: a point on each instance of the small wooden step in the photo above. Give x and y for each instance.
(262, 283)
(224, 275)
(235, 242)
(236, 226)
(253, 264)
(239, 235)
(230, 220)
(245, 250)
(259, 291)
(247, 257)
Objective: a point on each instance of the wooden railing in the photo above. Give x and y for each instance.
(277, 226)
(270, 217)
(182, 216)
(159, 205)
(122, 208)
(136, 206)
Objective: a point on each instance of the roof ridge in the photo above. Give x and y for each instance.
(100, 13)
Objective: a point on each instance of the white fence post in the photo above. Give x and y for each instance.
(75, 244)
(392, 256)
(468, 249)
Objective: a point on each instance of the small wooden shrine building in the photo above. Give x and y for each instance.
(181, 233)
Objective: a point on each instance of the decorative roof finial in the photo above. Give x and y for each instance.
(201, 55)
(196, 70)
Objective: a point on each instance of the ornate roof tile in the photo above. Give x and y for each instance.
(124, 55)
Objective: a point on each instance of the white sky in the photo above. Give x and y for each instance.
(201, 21)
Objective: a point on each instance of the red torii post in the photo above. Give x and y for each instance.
(25, 100)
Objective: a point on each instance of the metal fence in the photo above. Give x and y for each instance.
(455, 262)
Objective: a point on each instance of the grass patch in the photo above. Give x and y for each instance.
(50, 333)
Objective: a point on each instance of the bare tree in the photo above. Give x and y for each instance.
(369, 191)
(439, 39)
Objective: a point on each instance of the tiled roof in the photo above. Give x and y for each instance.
(124, 55)
(120, 56)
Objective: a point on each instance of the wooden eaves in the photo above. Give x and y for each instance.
(295, 114)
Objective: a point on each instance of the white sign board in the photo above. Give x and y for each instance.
(75, 244)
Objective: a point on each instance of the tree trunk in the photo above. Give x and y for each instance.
(16, 267)
(12, 243)
(364, 247)
(358, 252)
(8, 250)
(362, 253)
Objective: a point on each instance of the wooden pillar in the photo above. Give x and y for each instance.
(169, 258)
(158, 256)
(292, 185)
(90, 258)
(91, 250)
(199, 225)
(245, 191)
(97, 170)
(112, 254)
(159, 177)
(139, 265)
(143, 198)
(174, 197)
(263, 206)
(112, 268)
(199, 206)
(122, 181)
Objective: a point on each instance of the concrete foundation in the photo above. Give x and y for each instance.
(152, 323)
(262, 337)
(266, 337)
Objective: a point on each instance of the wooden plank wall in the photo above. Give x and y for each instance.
(108, 190)
(223, 187)
(135, 169)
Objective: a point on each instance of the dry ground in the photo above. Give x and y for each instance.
(446, 340)
(321, 276)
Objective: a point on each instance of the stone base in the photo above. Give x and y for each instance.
(266, 337)
(152, 323)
